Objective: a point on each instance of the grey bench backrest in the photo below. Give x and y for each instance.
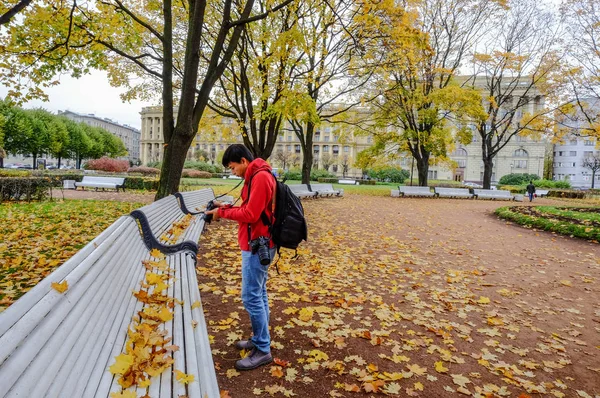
(194, 202)
(324, 189)
(301, 190)
(61, 345)
(410, 190)
(492, 192)
(453, 191)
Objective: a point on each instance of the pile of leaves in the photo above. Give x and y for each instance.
(583, 222)
(36, 238)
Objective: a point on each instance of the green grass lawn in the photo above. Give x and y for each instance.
(581, 222)
(35, 238)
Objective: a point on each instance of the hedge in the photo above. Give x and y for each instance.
(25, 188)
(566, 194)
(147, 183)
(191, 173)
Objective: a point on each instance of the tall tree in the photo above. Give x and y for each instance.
(79, 142)
(593, 163)
(581, 19)
(422, 107)
(177, 48)
(520, 77)
(257, 82)
(332, 70)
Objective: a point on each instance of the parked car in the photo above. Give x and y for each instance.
(25, 166)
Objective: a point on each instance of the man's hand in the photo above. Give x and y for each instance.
(214, 212)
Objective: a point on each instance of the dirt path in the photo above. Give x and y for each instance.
(515, 311)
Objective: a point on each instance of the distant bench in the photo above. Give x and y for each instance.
(102, 182)
(542, 192)
(493, 194)
(326, 190)
(62, 344)
(407, 190)
(348, 182)
(452, 192)
(302, 191)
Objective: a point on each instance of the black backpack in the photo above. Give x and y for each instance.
(289, 228)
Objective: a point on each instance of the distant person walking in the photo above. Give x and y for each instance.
(530, 190)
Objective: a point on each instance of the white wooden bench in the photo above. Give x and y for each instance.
(326, 190)
(62, 344)
(542, 192)
(493, 194)
(452, 192)
(348, 182)
(407, 190)
(102, 182)
(302, 191)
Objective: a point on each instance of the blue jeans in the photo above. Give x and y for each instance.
(255, 299)
(530, 196)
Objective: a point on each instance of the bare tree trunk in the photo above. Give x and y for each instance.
(174, 159)
(593, 178)
(423, 170)
(307, 156)
(488, 169)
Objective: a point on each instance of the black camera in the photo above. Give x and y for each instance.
(261, 246)
(208, 217)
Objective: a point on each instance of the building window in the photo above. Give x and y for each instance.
(336, 150)
(334, 168)
(317, 136)
(288, 148)
(561, 153)
(462, 163)
(346, 148)
(289, 138)
(325, 148)
(520, 164)
(572, 153)
(335, 138)
(522, 153)
(297, 148)
(459, 152)
(316, 149)
(432, 174)
(369, 139)
(588, 142)
(573, 142)
(326, 138)
(588, 154)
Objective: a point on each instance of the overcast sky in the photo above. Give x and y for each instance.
(89, 94)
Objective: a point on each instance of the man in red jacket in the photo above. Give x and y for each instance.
(252, 233)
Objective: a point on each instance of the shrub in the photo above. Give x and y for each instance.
(156, 165)
(107, 164)
(518, 189)
(14, 173)
(552, 184)
(316, 174)
(555, 193)
(27, 188)
(328, 180)
(147, 171)
(517, 179)
(389, 174)
(366, 182)
(293, 174)
(189, 173)
(202, 166)
(147, 183)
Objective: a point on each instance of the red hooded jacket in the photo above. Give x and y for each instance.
(261, 199)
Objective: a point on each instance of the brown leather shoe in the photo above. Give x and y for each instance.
(255, 359)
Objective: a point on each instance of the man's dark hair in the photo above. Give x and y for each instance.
(531, 182)
(235, 153)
